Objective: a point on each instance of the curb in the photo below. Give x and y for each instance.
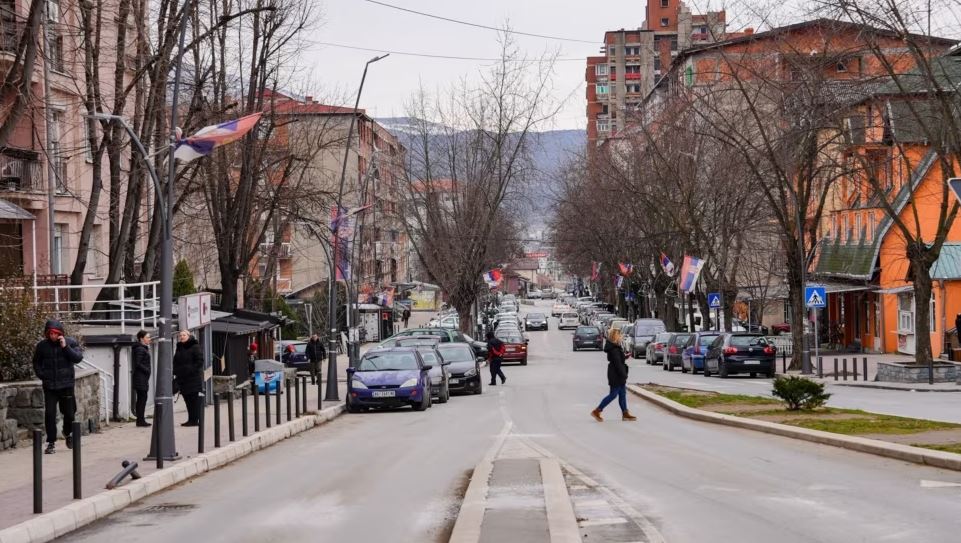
(882, 387)
(906, 453)
(57, 523)
(561, 520)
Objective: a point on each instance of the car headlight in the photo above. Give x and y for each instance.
(436, 380)
(471, 372)
(412, 382)
(356, 383)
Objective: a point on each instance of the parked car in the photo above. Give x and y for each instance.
(394, 377)
(292, 353)
(614, 324)
(672, 353)
(627, 341)
(654, 353)
(535, 295)
(439, 374)
(588, 337)
(515, 346)
(692, 358)
(558, 309)
(781, 328)
(643, 333)
(568, 320)
(447, 335)
(535, 321)
(733, 353)
(464, 368)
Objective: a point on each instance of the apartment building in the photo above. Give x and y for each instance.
(632, 61)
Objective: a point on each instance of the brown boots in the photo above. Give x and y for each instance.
(628, 416)
(597, 415)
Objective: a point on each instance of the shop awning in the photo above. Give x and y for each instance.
(895, 290)
(9, 210)
(948, 264)
(834, 288)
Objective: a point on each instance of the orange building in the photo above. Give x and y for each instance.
(863, 252)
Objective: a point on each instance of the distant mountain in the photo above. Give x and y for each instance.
(552, 148)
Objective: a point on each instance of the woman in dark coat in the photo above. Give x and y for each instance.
(189, 375)
(141, 375)
(616, 378)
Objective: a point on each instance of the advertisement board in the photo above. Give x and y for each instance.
(193, 310)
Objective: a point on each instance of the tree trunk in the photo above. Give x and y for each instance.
(228, 288)
(798, 311)
(923, 285)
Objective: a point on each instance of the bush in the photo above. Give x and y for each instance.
(183, 279)
(799, 393)
(21, 327)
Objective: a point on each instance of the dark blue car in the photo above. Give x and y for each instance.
(692, 357)
(387, 378)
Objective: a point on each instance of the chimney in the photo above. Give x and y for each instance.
(748, 31)
(309, 99)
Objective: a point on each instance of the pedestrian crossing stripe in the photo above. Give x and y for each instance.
(815, 300)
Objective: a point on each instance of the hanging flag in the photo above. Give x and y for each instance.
(595, 271)
(619, 281)
(667, 265)
(493, 277)
(385, 298)
(209, 138)
(690, 271)
(626, 269)
(341, 230)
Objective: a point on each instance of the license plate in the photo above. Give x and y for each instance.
(454, 381)
(383, 394)
(752, 361)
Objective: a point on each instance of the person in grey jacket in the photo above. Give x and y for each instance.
(53, 361)
(141, 375)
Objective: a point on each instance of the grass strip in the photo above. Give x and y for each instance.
(700, 400)
(872, 423)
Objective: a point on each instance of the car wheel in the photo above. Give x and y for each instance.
(683, 368)
(664, 366)
(721, 369)
(441, 396)
(351, 408)
(574, 349)
(480, 387)
(770, 375)
(423, 404)
(706, 372)
(524, 362)
(753, 375)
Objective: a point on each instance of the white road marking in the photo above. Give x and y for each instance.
(602, 522)
(938, 484)
(590, 503)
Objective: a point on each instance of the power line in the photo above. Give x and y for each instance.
(430, 55)
(478, 25)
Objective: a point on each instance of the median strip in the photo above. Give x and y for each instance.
(901, 438)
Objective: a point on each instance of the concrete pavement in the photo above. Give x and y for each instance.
(402, 475)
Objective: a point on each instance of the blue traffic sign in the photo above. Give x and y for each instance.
(714, 300)
(815, 296)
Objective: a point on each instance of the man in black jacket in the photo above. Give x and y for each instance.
(53, 361)
(189, 375)
(316, 352)
(141, 375)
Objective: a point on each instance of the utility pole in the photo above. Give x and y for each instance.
(51, 170)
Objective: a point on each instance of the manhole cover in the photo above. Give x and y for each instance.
(168, 508)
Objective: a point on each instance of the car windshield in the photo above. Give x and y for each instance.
(535, 315)
(569, 316)
(747, 341)
(662, 337)
(588, 331)
(456, 353)
(707, 339)
(388, 362)
(509, 337)
(681, 338)
(428, 354)
(443, 336)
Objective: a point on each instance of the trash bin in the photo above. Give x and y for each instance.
(269, 376)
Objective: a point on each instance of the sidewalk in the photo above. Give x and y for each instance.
(103, 452)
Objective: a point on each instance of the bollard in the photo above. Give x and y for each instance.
(784, 361)
(854, 367)
(267, 402)
(256, 406)
(297, 396)
(230, 416)
(243, 410)
(129, 468)
(158, 409)
(320, 401)
(76, 434)
(820, 367)
(277, 392)
(844, 365)
(200, 426)
(865, 368)
(216, 420)
(37, 472)
(835, 369)
(296, 404)
(303, 395)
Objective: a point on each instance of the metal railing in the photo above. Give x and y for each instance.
(136, 304)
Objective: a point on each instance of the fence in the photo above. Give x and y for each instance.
(136, 304)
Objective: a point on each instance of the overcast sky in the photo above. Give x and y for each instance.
(391, 81)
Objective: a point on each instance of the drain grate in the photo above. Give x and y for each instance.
(169, 508)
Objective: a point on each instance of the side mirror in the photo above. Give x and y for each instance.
(527, 340)
(351, 370)
(426, 367)
(445, 363)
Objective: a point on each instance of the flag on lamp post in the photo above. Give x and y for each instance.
(690, 271)
(595, 271)
(211, 137)
(493, 277)
(667, 265)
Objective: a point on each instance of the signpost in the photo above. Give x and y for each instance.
(815, 297)
(714, 302)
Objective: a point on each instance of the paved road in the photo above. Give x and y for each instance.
(398, 475)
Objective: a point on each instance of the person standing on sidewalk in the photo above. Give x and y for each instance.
(141, 375)
(316, 353)
(53, 361)
(189, 375)
(495, 352)
(406, 317)
(616, 378)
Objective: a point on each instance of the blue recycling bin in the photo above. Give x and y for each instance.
(268, 376)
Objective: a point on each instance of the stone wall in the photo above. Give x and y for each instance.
(897, 372)
(21, 406)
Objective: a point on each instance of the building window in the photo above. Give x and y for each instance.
(632, 51)
(674, 44)
(56, 52)
(53, 11)
(872, 226)
(601, 89)
(906, 313)
(842, 66)
(633, 88)
(665, 21)
(857, 226)
(600, 69)
(665, 3)
(603, 125)
(632, 69)
(87, 148)
(94, 254)
(689, 76)
(657, 63)
(56, 259)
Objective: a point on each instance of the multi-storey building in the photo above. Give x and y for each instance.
(632, 61)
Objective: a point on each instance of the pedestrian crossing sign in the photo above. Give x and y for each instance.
(714, 300)
(815, 297)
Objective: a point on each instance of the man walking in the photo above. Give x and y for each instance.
(141, 375)
(406, 316)
(316, 353)
(53, 361)
(495, 353)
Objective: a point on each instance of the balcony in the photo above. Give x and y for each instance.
(10, 31)
(634, 76)
(283, 249)
(21, 175)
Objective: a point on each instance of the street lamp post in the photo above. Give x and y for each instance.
(332, 394)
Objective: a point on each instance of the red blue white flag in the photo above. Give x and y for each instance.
(690, 271)
(595, 271)
(211, 137)
(493, 277)
(625, 269)
(667, 265)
